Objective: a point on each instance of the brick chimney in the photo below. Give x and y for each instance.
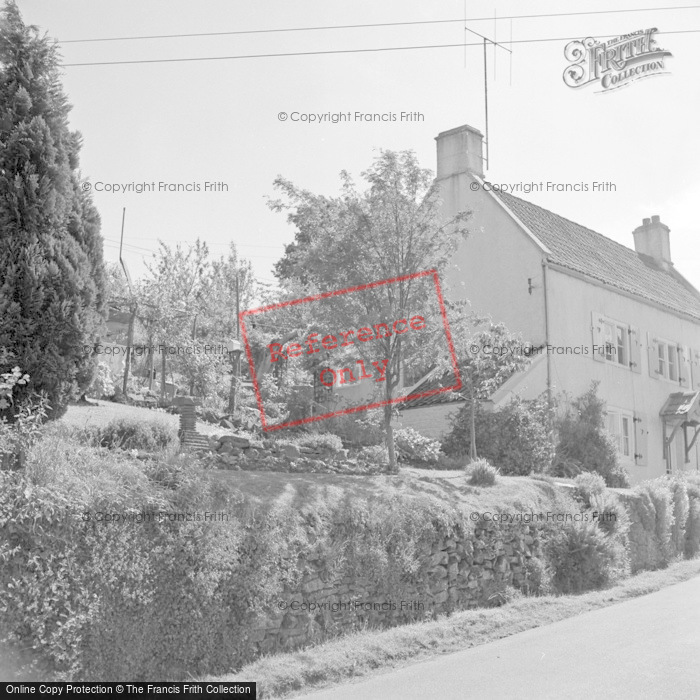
(651, 238)
(459, 151)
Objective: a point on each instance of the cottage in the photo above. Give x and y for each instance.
(601, 311)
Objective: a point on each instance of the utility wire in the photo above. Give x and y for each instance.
(377, 24)
(344, 51)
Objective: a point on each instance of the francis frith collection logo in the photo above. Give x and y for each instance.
(615, 63)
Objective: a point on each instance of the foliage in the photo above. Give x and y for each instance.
(488, 355)
(586, 486)
(133, 434)
(656, 515)
(187, 299)
(180, 597)
(389, 231)
(28, 412)
(52, 289)
(322, 441)
(609, 514)
(582, 557)
(538, 577)
(357, 429)
(481, 473)
(103, 385)
(514, 438)
(692, 530)
(10, 380)
(681, 508)
(412, 447)
(17, 437)
(584, 441)
(373, 454)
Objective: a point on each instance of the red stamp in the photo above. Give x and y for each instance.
(361, 355)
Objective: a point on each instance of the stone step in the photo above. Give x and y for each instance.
(194, 440)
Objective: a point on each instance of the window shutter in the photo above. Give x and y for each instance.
(598, 348)
(641, 432)
(653, 356)
(684, 366)
(695, 368)
(635, 349)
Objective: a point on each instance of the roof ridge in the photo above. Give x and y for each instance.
(598, 257)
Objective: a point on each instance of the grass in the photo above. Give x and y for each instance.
(510, 493)
(82, 416)
(365, 653)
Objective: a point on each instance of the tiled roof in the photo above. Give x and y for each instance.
(431, 383)
(582, 250)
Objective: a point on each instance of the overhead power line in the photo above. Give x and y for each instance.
(376, 24)
(345, 51)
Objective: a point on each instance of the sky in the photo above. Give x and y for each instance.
(218, 121)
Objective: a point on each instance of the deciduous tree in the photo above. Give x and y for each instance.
(391, 229)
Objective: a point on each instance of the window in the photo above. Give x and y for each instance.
(620, 426)
(667, 360)
(616, 337)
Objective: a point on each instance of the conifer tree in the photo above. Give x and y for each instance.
(52, 284)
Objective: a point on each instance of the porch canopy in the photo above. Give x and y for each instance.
(681, 412)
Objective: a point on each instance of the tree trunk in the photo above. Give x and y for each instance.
(150, 360)
(129, 343)
(194, 340)
(472, 430)
(162, 375)
(389, 432)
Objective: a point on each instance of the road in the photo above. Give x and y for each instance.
(648, 647)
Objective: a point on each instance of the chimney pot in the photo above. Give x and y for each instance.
(655, 219)
(646, 222)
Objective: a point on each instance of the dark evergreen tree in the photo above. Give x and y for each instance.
(52, 283)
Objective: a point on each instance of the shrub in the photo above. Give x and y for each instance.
(373, 454)
(583, 557)
(537, 577)
(514, 438)
(584, 442)
(610, 515)
(586, 486)
(70, 588)
(180, 598)
(133, 434)
(681, 506)
(16, 438)
(320, 441)
(656, 515)
(481, 473)
(364, 431)
(498, 593)
(411, 446)
(565, 468)
(692, 528)
(103, 385)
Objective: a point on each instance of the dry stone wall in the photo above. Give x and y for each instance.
(455, 575)
(234, 452)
